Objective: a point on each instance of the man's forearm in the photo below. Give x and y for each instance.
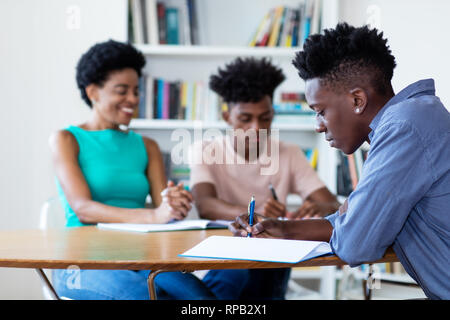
(308, 229)
(213, 209)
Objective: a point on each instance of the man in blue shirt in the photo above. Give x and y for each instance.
(403, 196)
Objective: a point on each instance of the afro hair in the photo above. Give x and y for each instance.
(346, 56)
(246, 80)
(101, 59)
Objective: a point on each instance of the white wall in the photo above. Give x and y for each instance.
(41, 42)
(417, 32)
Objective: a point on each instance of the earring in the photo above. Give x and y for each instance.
(357, 110)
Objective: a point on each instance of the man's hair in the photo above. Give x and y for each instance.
(346, 56)
(100, 60)
(246, 80)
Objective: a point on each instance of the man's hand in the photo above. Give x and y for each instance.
(274, 209)
(262, 228)
(312, 209)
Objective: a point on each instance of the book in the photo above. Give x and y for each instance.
(283, 40)
(283, 27)
(191, 224)
(193, 21)
(263, 37)
(314, 158)
(172, 26)
(344, 184)
(149, 97)
(183, 100)
(165, 100)
(276, 27)
(142, 97)
(352, 169)
(162, 28)
(151, 21)
(160, 97)
(174, 99)
(138, 21)
(258, 249)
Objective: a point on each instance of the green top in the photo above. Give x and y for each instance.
(114, 164)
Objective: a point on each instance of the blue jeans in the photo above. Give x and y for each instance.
(237, 284)
(248, 284)
(127, 285)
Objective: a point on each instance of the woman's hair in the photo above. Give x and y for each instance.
(345, 56)
(246, 80)
(100, 60)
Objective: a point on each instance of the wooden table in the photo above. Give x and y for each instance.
(91, 248)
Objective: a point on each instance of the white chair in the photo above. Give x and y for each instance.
(51, 216)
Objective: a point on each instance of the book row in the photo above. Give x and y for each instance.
(162, 99)
(349, 170)
(163, 22)
(288, 27)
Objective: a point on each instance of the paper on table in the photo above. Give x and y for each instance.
(192, 224)
(258, 249)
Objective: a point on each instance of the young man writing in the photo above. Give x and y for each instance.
(402, 198)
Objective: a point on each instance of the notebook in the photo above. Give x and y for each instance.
(191, 224)
(258, 249)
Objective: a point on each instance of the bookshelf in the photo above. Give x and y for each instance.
(215, 51)
(224, 32)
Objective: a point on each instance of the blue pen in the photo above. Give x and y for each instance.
(251, 212)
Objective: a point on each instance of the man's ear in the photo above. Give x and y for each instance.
(226, 116)
(359, 97)
(92, 92)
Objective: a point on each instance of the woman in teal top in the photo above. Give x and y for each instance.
(113, 164)
(104, 174)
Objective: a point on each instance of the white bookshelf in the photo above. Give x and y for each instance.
(161, 124)
(216, 51)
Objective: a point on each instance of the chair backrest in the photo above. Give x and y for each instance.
(52, 214)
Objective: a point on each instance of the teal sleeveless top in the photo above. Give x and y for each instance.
(114, 164)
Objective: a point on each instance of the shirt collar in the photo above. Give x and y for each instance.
(419, 88)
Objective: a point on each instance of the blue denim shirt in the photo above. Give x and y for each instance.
(403, 196)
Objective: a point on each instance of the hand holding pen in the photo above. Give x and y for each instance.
(273, 208)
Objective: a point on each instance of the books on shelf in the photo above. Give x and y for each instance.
(162, 99)
(312, 155)
(163, 22)
(292, 103)
(349, 170)
(285, 26)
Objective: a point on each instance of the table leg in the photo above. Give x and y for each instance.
(151, 283)
(368, 284)
(47, 284)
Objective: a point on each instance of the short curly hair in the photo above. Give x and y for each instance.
(101, 59)
(345, 56)
(246, 80)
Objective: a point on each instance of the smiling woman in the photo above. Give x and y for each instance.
(104, 174)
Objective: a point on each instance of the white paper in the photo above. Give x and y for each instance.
(190, 224)
(258, 249)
